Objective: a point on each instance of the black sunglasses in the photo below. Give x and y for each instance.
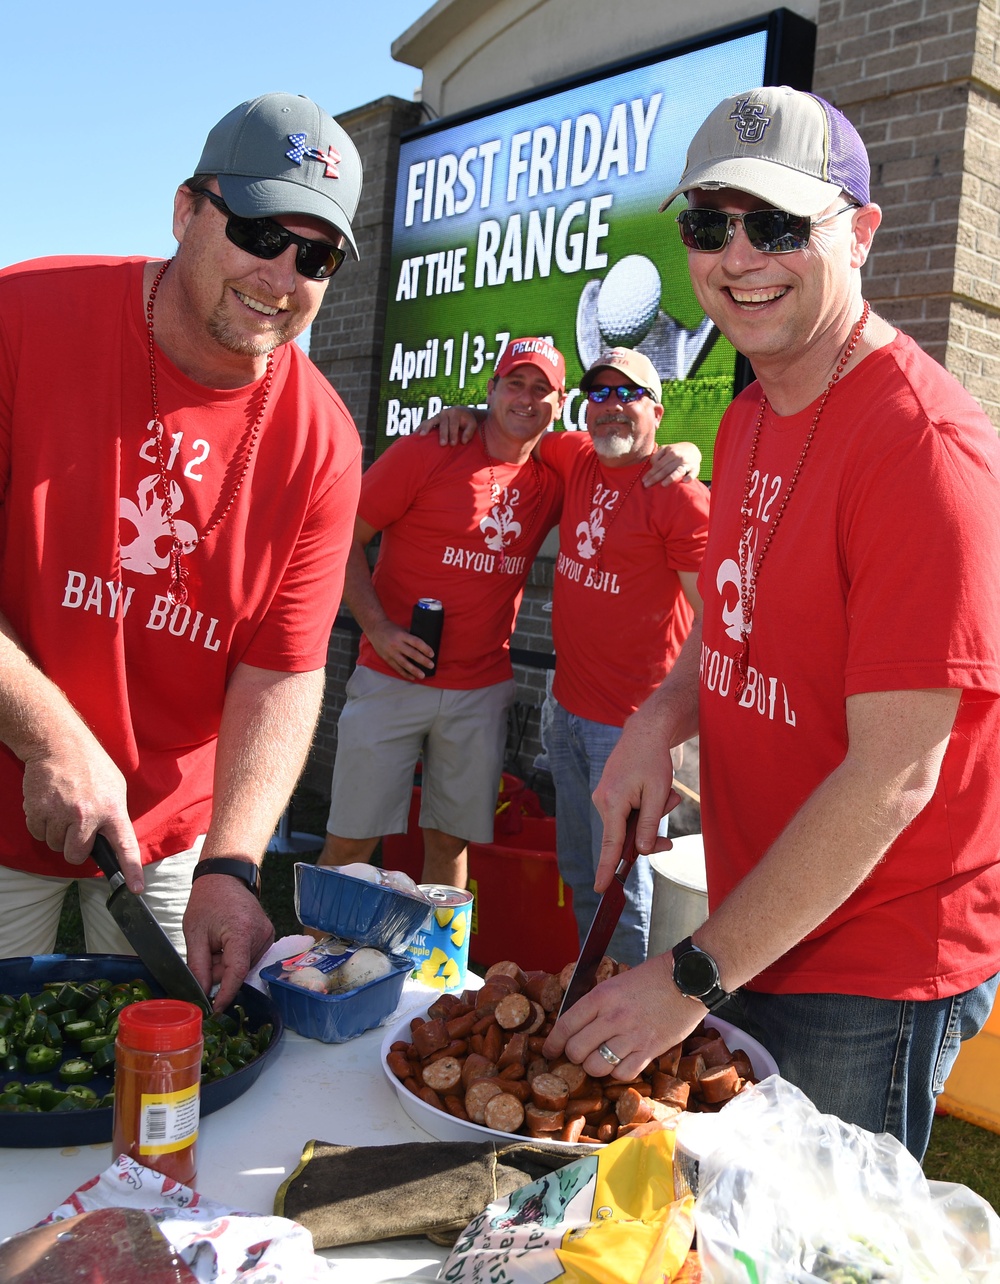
(624, 395)
(265, 239)
(769, 231)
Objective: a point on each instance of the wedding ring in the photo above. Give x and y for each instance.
(608, 1055)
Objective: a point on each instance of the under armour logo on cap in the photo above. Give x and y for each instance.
(750, 121)
(331, 158)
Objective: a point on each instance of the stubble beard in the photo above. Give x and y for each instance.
(239, 342)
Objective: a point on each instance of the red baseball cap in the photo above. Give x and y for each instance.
(533, 352)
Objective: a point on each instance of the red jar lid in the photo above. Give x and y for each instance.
(160, 1025)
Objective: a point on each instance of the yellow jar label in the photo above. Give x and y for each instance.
(168, 1121)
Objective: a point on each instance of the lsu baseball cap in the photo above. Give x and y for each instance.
(281, 154)
(633, 365)
(792, 149)
(533, 352)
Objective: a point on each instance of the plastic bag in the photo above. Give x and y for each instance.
(609, 1218)
(792, 1195)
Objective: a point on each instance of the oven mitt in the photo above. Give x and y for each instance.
(360, 1194)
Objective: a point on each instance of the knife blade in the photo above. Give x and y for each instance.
(144, 934)
(605, 921)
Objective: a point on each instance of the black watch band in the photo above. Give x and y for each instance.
(696, 975)
(245, 870)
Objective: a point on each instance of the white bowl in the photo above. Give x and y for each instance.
(446, 1127)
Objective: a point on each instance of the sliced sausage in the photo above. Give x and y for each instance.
(549, 1092)
(513, 1011)
(720, 1084)
(506, 968)
(478, 1094)
(430, 1037)
(504, 1113)
(443, 1076)
(539, 1121)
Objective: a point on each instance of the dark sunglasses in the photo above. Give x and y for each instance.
(624, 395)
(265, 239)
(769, 231)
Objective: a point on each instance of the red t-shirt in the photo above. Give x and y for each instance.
(441, 537)
(619, 614)
(883, 575)
(83, 538)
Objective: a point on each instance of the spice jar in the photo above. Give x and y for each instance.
(157, 1086)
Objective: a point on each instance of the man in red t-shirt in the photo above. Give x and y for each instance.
(461, 527)
(176, 505)
(623, 601)
(846, 675)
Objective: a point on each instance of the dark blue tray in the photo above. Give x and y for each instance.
(91, 1127)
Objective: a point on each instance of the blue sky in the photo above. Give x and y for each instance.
(106, 104)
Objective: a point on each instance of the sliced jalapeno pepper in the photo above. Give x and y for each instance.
(80, 1030)
(76, 1070)
(89, 1046)
(40, 1058)
(104, 1058)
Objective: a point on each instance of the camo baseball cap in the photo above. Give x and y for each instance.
(792, 149)
(281, 154)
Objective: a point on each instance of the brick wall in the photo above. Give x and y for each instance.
(919, 79)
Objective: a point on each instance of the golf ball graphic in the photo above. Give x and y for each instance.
(629, 301)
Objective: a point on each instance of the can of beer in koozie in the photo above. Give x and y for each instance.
(427, 623)
(440, 950)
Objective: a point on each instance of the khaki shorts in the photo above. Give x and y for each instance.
(30, 905)
(384, 728)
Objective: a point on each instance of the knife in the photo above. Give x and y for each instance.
(605, 921)
(144, 934)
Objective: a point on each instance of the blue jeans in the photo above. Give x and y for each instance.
(879, 1063)
(578, 750)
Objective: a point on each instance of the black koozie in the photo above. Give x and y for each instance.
(427, 625)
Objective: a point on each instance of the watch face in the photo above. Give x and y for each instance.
(695, 973)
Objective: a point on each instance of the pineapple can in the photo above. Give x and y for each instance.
(440, 950)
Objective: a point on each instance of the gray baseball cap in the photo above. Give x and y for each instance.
(281, 154)
(792, 149)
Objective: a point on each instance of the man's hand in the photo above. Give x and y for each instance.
(680, 462)
(637, 777)
(455, 425)
(70, 794)
(226, 932)
(401, 651)
(637, 1014)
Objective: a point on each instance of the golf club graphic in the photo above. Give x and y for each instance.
(623, 310)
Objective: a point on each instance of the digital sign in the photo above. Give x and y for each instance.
(540, 217)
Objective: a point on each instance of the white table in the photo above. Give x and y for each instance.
(332, 1092)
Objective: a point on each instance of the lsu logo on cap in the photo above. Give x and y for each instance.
(750, 121)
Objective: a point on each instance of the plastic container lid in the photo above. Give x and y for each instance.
(160, 1025)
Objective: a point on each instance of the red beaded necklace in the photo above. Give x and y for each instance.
(748, 575)
(595, 473)
(177, 589)
(496, 491)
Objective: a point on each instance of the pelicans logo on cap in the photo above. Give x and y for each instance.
(751, 120)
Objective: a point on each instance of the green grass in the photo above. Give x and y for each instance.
(958, 1152)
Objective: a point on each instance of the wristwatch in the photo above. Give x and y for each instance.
(696, 975)
(245, 870)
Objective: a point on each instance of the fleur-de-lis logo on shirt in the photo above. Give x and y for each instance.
(590, 534)
(500, 527)
(149, 517)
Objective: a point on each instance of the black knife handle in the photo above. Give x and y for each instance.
(629, 850)
(106, 859)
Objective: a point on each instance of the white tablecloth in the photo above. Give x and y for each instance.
(332, 1092)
